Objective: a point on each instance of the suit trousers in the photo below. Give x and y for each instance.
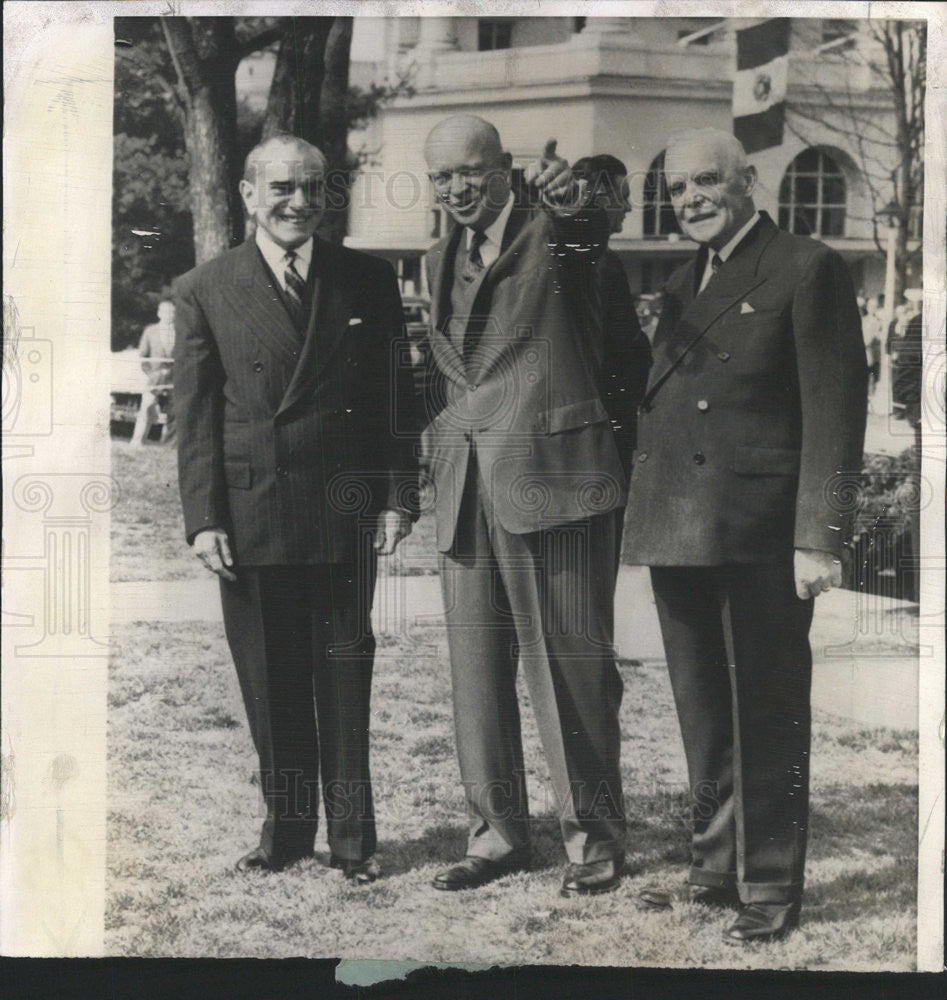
(543, 600)
(737, 645)
(303, 647)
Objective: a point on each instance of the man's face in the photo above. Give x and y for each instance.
(471, 178)
(612, 195)
(287, 195)
(711, 195)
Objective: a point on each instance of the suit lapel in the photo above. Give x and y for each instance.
(445, 352)
(698, 312)
(260, 306)
(328, 322)
(511, 257)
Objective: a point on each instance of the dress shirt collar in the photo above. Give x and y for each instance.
(275, 255)
(490, 248)
(726, 251)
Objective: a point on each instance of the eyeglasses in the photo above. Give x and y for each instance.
(443, 178)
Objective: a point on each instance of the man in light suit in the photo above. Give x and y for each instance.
(753, 417)
(526, 475)
(294, 477)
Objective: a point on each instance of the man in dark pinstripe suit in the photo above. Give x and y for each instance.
(294, 476)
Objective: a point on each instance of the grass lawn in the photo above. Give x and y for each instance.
(183, 808)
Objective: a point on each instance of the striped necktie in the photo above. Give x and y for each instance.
(295, 292)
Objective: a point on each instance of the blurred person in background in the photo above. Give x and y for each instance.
(156, 350)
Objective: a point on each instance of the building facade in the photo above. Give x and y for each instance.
(623, 86)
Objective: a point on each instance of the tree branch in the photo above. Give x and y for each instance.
(187, 64)
(261, 39)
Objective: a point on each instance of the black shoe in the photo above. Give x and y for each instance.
(705, 895)
(592, 878)
(259, 860)
(762, 922)
(472, 872)
(360, 872)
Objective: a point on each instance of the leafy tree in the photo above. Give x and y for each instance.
(152, 234)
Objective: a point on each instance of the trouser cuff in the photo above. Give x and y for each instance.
(770, 892)
(712, 879)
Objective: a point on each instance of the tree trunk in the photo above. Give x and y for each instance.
(211, 172)
(333, 129)
(203, 52)
(293, 102)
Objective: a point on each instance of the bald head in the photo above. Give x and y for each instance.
(283, 189)
(466, 130)
(711, 185)
(724, 147)
(469, 170)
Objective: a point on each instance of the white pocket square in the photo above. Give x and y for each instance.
(354, 322)
(745, 308)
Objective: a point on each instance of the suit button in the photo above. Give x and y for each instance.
(258, 366)
(724, 355)
(699, 458)
(472, 388)
(282, 471)
(643, 457)
(703, 405)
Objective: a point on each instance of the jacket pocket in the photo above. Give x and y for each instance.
(238, 475)
(751, 461)
(572, 415)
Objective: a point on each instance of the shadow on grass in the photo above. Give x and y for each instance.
(446, 844)
(858, 895)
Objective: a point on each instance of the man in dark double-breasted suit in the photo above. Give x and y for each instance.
(527, 475)
(294, 475)
(754, 416)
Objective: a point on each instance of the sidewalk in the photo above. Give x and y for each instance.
(864, 670)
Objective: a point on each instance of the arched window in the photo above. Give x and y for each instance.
(659, 218)
(812, 196)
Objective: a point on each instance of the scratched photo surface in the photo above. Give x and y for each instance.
(531, 417)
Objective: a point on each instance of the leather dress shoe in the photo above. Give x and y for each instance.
(592, 878)
(472, 872)
(762, 922)
(259, 860)
(360, 872)
(705, 895)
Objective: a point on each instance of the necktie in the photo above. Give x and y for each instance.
(295, 292)
(716, 262)
(474, 264)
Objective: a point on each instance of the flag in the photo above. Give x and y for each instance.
(759, 84)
